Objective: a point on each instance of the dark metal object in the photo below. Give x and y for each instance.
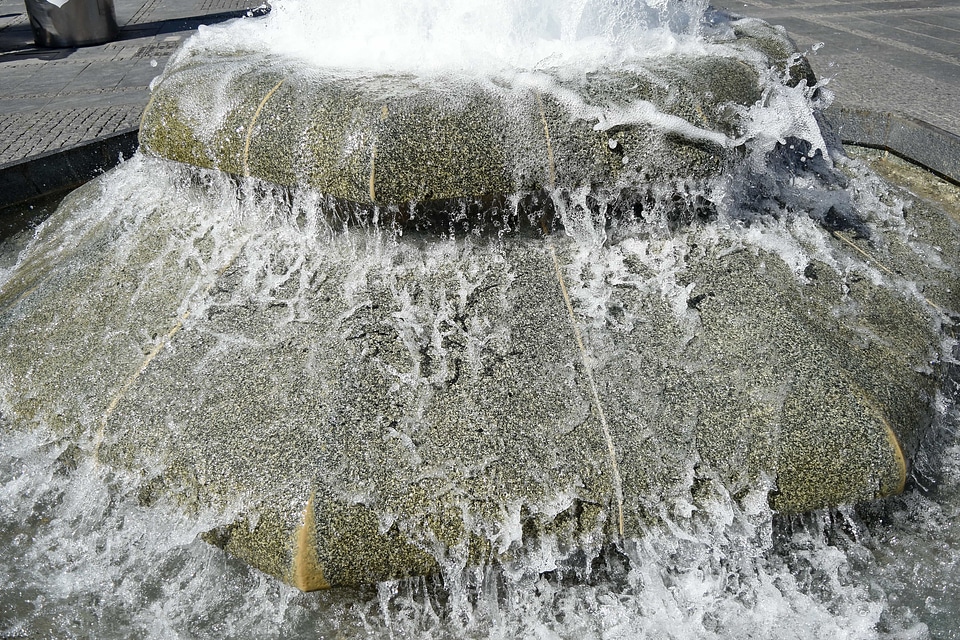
(72, 23)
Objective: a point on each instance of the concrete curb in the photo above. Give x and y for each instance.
(913, 140)
(63, 169)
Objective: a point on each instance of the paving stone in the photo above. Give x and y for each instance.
(886, 55)
(54, 98)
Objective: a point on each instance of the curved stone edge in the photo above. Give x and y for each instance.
(42, 175)
(930, 147)
(287, 126)
(912, 139)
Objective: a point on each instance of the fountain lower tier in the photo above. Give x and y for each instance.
(378, 402)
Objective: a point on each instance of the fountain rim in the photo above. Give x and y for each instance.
(912, 139)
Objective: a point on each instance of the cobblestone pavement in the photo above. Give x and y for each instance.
(888, 55)
(55, 98)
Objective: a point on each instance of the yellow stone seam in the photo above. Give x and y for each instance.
(384, 113)
(143, 116)
(132, 379)
(306, 573)
(20, 298)
(154, 352)
(253, 121)
(611, 451)
(898, 456)
(373, 163)
(840, 236)
(546, 132)
(850, 243)
(899, 459)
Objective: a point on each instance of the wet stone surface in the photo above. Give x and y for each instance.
(429, 396)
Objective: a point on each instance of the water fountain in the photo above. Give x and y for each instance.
(581, 307)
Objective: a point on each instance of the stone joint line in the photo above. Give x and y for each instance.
(880, 265)
(611, 451)
(384, 114)
(546, 133)
(253, 121)
(899, 459)
(154, 352)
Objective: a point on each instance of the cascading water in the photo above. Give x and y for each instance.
(109, 480)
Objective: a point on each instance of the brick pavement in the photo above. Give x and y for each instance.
(888, 55)
(885, 55)
(54, 98)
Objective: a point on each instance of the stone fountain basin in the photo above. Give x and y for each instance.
(381, 403)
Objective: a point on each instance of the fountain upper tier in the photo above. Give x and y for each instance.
(389, 137)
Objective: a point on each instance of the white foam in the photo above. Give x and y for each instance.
(781, 113)
(462, 35)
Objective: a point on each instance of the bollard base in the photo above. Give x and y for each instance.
(72, 23)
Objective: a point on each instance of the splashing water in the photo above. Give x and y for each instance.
(462, 36)
(89, 551)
